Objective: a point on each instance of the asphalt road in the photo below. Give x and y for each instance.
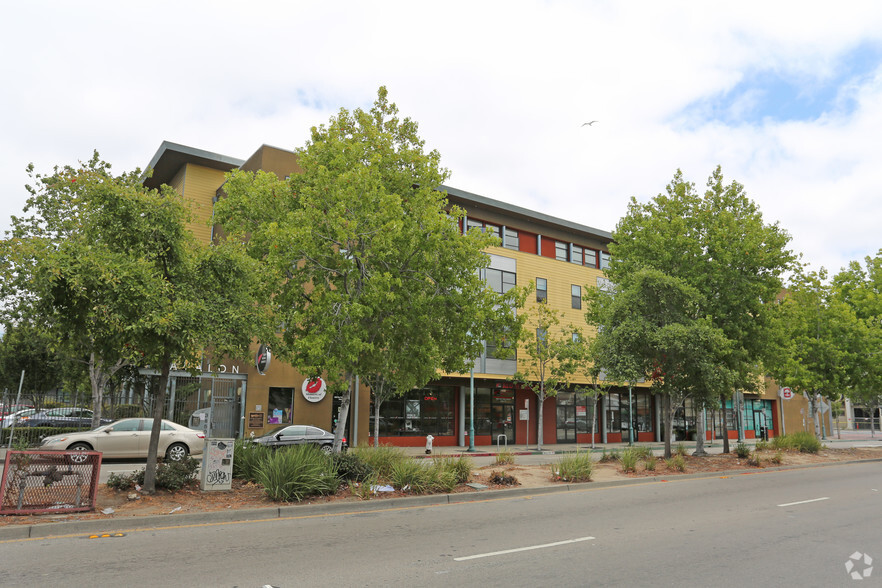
(786, 528)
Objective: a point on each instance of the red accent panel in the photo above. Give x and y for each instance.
(647, 436)
(440, 441)
(586, 438)
(614, 438)
(748, 434)
(527, 242)
(548, 249)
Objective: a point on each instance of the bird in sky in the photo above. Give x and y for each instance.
(588, 124)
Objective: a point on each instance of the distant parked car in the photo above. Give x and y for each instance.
(6, 409)
(299, 435)
(7, 421)
(130, 438)
(60, 417)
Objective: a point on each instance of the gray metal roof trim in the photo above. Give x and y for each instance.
(169, 150)
(524, 212)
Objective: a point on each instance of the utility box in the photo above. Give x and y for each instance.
(217, 464)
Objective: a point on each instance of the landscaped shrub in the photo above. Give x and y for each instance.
(461, 466)
(742, 450)
(574, 467)
(762, 445)
(649, 463)
(411, 476)
(806, 442)
(678, 463)
(777, 459)
(349, 466)
(611, 456)
(681, 450)
(381, 458)
(505, 457)
(502, 478)
(246, 459)
(297, 472)
(172, 476)
(629, 460)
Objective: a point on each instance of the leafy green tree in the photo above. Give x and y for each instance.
(370, 272)
(718, 244)
(861, 289)
(25, 347)
(822, 342)
(652, 327)
(116, 274)
(549, 356)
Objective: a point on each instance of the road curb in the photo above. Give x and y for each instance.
(98, 527)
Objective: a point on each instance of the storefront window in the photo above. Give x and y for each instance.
(280, 406)
(429, 411)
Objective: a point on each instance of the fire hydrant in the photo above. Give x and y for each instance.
(429, 440)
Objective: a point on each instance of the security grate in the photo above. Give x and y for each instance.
(37, 482)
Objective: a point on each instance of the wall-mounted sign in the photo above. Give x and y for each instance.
(262, 359)
(314, 390)
(255, 420)
(786, 393)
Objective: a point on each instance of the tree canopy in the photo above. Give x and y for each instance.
(112, 269)
(371, 272)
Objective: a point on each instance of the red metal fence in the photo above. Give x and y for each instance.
(37, 482)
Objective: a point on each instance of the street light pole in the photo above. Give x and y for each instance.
(471, 448)
(630, 416)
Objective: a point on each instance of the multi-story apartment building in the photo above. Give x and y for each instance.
(560, 257)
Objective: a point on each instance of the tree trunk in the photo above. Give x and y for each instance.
(96, 379)
(725, 424)
(700, 427)
(594, 420)
(343, 414)
(669, 422)
(158, 409)
(539, 412)
(377, 403)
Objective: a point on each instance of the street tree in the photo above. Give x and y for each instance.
(117, 275)
(822, 343)
(25, 347)
(371, 273)
(652, 327)
(860, 287)
(718, 244)
(550, 356)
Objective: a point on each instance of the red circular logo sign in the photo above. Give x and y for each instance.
(314, 390)
(786, 393)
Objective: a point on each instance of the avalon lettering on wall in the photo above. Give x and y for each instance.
(220, 369)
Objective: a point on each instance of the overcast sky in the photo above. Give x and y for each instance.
(785, 96)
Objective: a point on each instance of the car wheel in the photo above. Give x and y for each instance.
(328, 448)
(78, 458)
(177, 452)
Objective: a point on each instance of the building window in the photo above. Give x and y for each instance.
(541, 289)
(590, 257)
(429, 411)
(576, 292)
(499, 281)
(576, 257)
(560, 251)
(474, 224)
(541, 339)
(604, 260)
(280, 406)
(512, 241)
(492, 229)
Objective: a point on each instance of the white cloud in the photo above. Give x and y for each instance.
(499, 88)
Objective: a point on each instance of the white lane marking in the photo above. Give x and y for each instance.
(805, 501)
(522, 549)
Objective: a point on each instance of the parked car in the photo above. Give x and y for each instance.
(130, 438)
(7, 421)
(60, 417)
(299, 435)
(6, 409)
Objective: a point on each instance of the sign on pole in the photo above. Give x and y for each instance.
(786, 393)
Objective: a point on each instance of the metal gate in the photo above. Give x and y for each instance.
(204, 401)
